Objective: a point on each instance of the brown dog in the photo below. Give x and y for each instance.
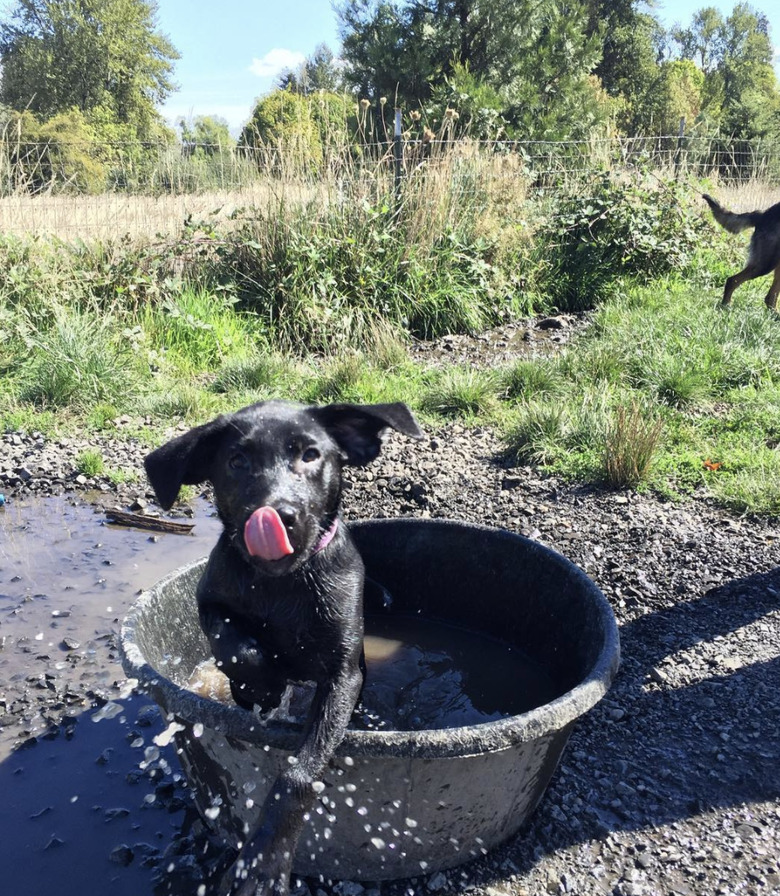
(764, 251)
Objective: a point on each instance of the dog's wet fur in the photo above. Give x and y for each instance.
(296, 618)
(764, 250)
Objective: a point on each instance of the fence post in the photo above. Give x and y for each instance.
(678, 151)
(398, 156)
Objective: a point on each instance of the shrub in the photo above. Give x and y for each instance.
(60, 154)
(617, 228)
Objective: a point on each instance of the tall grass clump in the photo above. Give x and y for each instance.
(461, 392)
(265, 374)
(631, 442)
(530, 378)
(537, 432)
(79, 361)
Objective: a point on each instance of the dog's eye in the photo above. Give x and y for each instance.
(238, 462)
(310, 455)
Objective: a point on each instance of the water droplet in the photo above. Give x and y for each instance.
(378, 842)
(165, 737)
(318, 786)
(212, 812)
(197, 729)
(411, 823)
(362, 811)
(348, 760)
(109, 710)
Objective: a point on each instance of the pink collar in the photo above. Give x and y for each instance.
(327, 536)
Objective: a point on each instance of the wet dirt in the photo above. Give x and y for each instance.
(90, 804)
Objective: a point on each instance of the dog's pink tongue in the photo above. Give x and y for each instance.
(265, 536)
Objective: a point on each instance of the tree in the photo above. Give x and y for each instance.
(701, 41)
(101, 57)
(206, 135)
(534, 55)
(740, 92)
(317, 72)
(631, 44)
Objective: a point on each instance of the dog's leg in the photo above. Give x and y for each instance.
(749, 273)
(774, 291)
(253, 680)
(264, 864)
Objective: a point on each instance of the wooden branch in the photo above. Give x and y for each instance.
(142, 521)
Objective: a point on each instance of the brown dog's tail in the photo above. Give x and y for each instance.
(732, 221)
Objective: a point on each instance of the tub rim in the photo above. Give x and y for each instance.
(554, 717)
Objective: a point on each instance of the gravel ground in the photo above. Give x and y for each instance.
(671, 785)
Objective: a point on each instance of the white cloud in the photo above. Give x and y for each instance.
(275, 61)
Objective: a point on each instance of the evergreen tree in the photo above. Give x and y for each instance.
(536, 56)
(317, 72)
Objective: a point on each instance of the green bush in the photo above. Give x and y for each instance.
(616, 229)
(60, 154)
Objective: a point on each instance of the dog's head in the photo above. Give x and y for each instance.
(276, 471)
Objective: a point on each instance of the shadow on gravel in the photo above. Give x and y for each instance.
(690, 725)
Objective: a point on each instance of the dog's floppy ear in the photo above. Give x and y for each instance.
(356, 428)
(184, 460)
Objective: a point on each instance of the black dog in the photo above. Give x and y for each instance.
(281, 598)
(764, 249)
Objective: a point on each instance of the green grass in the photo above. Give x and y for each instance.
(90, 462)
(461, 392)
(77, 362)
(318, 303)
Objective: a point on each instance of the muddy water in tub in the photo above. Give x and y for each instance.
(424, 674)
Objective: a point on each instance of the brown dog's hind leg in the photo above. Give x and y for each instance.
(774, 291)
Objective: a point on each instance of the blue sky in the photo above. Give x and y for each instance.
(232, 51)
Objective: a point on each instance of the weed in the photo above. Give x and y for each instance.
(199, 330)
(631, 441)
(119, 476)
(90, 462)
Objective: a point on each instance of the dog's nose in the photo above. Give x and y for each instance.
(287, 515)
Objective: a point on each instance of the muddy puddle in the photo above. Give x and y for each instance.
(90, 803)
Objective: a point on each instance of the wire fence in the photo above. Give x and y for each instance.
(111, 190)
